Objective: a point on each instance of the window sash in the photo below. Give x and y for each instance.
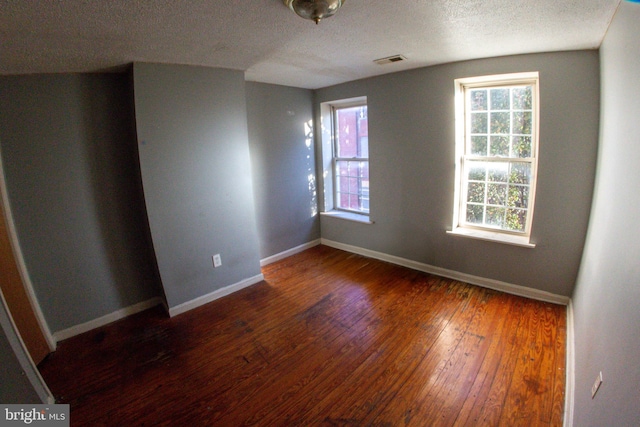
(351, 190)
(496, 195)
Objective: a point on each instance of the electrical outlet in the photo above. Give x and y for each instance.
(596, 385)
(217, 261)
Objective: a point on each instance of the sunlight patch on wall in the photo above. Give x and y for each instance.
(311, 177)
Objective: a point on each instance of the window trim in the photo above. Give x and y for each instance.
(459, 226)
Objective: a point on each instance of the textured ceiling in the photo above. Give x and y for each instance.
(273, 45)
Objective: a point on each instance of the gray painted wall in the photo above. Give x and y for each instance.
(196, 174)
(411, 143)
(606, 313)
(68, 147)
(283, 166)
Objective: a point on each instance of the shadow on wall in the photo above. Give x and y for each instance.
(116, 188)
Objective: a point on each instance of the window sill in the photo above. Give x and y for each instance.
(493, 236)
(349, 216)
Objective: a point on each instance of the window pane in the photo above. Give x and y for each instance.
(476, 192)
(521, 146)
(364, 171)
(354, 202)
(495, 216)
(500, 99)
(520, 173)
(522, 98)
(364, 146)
(477, 171)
(522, 122)
(516, 219)
(478, 100)
(478, 123)
(353, 185)
(500, 123)
(497, 194)
(343, 184)
(475, 214)
(499, 146)
(479, 145)
(498, 171)
(352, 132)
(518, 196)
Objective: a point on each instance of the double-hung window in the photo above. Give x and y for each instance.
(351, 158)
(496, 150)
(344, 156)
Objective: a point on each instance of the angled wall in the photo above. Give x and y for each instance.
(607, 294)
(69, 155)
(196, 174)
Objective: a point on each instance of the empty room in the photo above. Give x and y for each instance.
(332, 212)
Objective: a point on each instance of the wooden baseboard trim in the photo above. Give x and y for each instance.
(219, 293)
(105, 320)
(452, 274)
(289, 252)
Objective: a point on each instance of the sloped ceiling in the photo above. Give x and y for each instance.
(273, 45)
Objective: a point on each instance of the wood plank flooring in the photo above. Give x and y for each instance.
(328, 339)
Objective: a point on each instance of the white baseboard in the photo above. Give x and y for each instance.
(172, 311)
(288, 253)
(570, 367)
(205, 299)
(105, 320)
(455, 275)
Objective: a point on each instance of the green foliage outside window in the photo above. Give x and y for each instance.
(500, 133)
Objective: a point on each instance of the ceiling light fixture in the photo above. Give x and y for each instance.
(314, 9)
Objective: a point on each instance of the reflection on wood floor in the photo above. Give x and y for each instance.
(329, 338)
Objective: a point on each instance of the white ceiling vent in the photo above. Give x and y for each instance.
(390, 59)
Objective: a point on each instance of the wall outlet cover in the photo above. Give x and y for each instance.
(217, 261)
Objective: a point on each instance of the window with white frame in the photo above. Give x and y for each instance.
(496, 149)
(344, 158)
(350, 157)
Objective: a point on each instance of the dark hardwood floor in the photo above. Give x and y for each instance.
(329, 338)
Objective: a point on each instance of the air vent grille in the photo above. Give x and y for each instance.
(390, 59)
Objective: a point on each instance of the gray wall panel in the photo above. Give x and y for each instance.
(283, 165)
(606, 314)
(69, 153)
(196, 174)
